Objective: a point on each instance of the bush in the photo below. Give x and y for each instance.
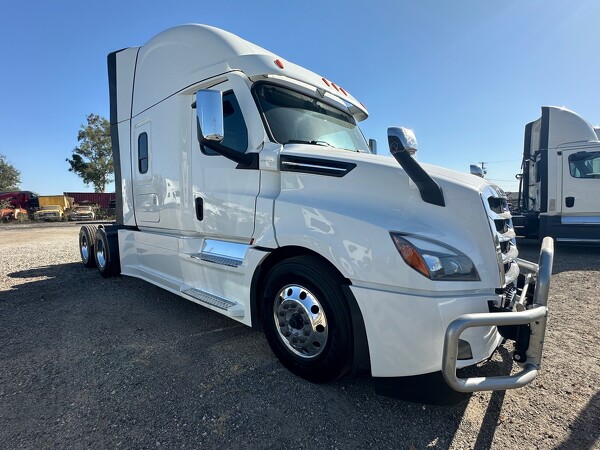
(106, 214)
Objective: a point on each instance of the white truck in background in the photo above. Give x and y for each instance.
(245, 185)
(559, 191)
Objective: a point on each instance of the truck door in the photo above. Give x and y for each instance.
(581, 184)
(147, 207)
(224, 197)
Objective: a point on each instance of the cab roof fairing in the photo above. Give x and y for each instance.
(188, 54)
(564, 127)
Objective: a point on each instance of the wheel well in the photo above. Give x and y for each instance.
(275, 257)
(361, 348)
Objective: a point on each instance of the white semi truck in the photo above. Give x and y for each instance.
(245, 185)
(559, 192)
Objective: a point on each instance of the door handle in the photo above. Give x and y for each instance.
(570, 202)
(199, 208)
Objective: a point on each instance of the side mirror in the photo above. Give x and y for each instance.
(209, 109)
(373, 146)
(476, 170)
(406, 140)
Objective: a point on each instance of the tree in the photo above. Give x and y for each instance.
(10, 178)
(92, 160)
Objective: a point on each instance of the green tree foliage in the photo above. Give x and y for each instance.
(10, 178)
(92, 160)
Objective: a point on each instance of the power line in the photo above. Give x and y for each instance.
(505, 161)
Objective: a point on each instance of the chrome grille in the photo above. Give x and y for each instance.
(501, 227)
(508, 294)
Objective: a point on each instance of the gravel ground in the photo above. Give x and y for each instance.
(87, 362)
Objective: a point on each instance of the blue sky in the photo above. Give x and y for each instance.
(465, 75)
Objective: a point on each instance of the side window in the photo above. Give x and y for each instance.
(143, 152)
(585, 165)
(236, 133)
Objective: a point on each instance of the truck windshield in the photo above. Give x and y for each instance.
(293, 117)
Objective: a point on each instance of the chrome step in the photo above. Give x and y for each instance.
(231, 308)
(225, 253)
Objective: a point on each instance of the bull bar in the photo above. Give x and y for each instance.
(535, 316)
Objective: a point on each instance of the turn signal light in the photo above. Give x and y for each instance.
(410, 255)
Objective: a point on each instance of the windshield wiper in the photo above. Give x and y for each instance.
(299, 141)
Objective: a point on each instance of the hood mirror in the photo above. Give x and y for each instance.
(407, 141)
(476, 170)
(403, 146)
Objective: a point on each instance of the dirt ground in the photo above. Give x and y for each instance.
(88, 362)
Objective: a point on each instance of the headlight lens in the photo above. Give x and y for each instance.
(435, 260)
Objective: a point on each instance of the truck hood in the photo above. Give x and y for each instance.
(377, 193)
(439, 174)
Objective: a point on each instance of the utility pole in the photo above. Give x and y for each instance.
(483, 169)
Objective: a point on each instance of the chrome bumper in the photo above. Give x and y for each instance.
(535, 315)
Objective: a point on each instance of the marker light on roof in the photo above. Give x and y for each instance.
(334, 86)
(278, 63)
(342, 89)
(325, 81)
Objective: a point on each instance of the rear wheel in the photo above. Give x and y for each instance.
(306, 319)
(87, 236)
(106, 253)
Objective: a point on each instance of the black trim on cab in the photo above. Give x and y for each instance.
(244, 160)
(542, 168)
(112, 85)
(524, 182)
(114, 133)
(315, 166)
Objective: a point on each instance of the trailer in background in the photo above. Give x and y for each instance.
(100, 199)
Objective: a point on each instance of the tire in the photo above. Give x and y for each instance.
(106, 253)
(87, 236)
(306, 319)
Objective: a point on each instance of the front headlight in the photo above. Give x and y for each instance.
(435, 260)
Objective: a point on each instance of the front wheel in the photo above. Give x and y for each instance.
(306, 319)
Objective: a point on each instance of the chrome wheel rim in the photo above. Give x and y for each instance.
(300, 321)
(85, 250)
(101, 258)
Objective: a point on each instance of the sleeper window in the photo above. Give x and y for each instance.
(143, 152)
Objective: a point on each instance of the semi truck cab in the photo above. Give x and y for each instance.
(244, 184)
(560, 174)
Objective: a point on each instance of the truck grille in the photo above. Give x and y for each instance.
(501, 226)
